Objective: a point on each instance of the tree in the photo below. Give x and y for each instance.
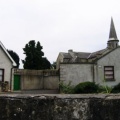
(46, 63)
(15, 57)
(53, 65)
(34, 57)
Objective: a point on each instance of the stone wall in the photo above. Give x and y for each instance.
(38, 79)
(60, 107)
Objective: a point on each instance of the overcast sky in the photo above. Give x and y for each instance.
(59, 25)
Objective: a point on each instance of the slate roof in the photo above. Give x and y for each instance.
(82, 54)
(98, 53)
(66, 55)
(76, 57)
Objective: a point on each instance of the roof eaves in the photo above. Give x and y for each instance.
(98, 58)
(14, 64)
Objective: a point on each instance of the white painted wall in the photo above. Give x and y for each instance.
(111, 59)
(5, 64)
(59, 60)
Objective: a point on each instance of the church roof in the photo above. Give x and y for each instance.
(97, 53)
(86, 57)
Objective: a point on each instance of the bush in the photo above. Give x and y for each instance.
(116, 88)
(86, 87)
(66, 87)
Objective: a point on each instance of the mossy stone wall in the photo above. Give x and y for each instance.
(59, 107)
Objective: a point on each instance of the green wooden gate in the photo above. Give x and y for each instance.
(16, 82)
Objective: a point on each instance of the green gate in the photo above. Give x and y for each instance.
(16, 82)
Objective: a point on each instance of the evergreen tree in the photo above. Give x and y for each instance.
(46, 64)
(15, 57)
(53, 65)
(34, 56)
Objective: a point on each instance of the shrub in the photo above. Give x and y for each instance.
(66, 87)
(86, 87)
(104, 89)
(116, 88)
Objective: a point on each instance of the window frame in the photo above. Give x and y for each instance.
(2, 75)
(112, 73)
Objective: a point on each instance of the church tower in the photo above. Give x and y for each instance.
(113, 40)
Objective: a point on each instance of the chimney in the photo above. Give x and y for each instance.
(70, 51)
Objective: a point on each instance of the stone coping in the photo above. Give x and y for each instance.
(63, 96)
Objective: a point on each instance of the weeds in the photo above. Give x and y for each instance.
(66, 88)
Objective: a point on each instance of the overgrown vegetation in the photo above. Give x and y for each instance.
(87, 87)
(66, 88)
(104, 89)
(116, 89)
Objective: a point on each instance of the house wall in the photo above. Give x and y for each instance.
(6, 65)
(59, 60)
(76, 73)
(111, 59)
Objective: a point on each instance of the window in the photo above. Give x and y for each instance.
(109, 72)
(66, 60)
(1, 75)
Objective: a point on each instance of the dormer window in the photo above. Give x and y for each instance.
(65, 60)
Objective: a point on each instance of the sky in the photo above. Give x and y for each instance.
(59, 25)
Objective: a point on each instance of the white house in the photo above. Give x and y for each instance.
(102, 67)
(6, 66)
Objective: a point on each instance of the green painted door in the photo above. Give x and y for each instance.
(16, 82)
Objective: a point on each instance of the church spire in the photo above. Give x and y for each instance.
(113, 40)
(112, 34)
